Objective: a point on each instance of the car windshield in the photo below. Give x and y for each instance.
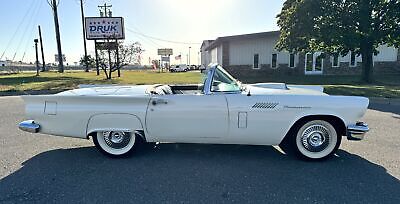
(222, 81)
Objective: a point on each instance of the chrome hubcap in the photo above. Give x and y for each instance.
(315, 138)
(117, 139)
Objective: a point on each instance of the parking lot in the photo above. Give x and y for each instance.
(40, 168)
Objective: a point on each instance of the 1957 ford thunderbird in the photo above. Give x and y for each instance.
(300, 119)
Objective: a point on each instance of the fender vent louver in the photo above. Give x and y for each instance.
(265, 105)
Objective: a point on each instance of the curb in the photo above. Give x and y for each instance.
(389, 101)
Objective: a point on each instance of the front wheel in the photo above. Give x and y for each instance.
(315, 140)
(115, 143)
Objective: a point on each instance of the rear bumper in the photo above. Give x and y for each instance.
(357, 131)
(29, 126)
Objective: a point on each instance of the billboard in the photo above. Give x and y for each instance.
(101, 28)
(165, 51)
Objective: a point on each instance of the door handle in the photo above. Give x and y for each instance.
(159, 101)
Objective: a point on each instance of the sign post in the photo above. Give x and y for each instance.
(165, 54)
(104, 30)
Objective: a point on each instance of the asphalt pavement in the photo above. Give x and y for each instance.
(37, 168)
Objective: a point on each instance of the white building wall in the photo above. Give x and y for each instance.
(242, 52)
(213, 53)
(205, 58)
(216, 55)
(386, 54)
(219, 54)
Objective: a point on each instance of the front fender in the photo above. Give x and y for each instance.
(113, 122)
(304, 114)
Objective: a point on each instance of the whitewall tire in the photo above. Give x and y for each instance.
(115, 143)
(316, 140)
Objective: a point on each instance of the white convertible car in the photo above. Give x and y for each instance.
(300, 119)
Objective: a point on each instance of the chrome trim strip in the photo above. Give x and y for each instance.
(29, 126)
(357, 131)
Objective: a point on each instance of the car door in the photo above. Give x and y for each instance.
(257, 119)
(187, 118)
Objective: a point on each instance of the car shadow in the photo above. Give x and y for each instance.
(194, 173)
(385, 107)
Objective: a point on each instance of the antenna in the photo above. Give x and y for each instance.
(248, 93)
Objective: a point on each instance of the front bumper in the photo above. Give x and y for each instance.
(29, 126)
(357, 131)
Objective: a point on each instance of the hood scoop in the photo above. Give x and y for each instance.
(281, 86)
(263, 105)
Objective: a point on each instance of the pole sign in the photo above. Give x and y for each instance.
(102, 28)
(165, 58)
(56, 58)
(106, 45)
(165, 51)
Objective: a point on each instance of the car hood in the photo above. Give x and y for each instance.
(107, 90)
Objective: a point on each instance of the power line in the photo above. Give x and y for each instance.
(160, 39)
(31, 21)
(18, 27)
(147, 39)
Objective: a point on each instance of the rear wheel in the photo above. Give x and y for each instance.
(313, 140)
(115, 143)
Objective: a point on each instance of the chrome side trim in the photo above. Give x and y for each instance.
(29, 126)
(357, 131)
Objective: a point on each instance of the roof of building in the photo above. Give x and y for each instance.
(205, 42)
(220, 40)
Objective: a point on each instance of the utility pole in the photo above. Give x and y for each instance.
(84, 38)
(37, 56)
(105, 7)
(41, 49)
(106, 14)
(54, 6)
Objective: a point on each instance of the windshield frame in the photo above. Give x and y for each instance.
(210, 78)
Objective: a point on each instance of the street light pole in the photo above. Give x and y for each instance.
(37, 56)
(189, 57)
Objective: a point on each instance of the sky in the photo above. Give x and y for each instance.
(153, 23)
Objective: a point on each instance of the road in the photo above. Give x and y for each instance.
(38, 168)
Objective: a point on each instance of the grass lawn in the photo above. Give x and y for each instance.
(384, 86)
(55, 81)
(387, 86)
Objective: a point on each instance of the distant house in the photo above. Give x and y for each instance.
(255, 54)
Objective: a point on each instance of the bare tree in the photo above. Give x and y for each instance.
(115, 59)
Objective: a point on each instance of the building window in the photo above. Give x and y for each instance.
(256, 64)
(353, 62)
(274, 60)
(335, 60)
(309, 62)
(319, 62)
(291, 60)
